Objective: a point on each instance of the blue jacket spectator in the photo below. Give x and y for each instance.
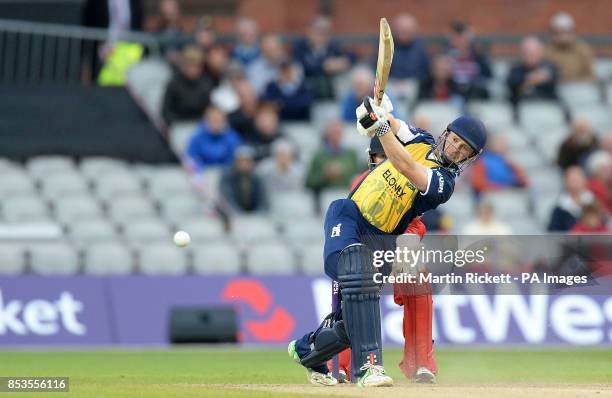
(321, 58)
(265, 69)
(410, 59)
(246, 49)
(291, 93)
(214, 142)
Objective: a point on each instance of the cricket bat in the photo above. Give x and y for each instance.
(385, 58)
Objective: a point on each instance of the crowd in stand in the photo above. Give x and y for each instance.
(244, 92)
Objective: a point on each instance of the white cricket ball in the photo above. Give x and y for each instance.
(182, 238)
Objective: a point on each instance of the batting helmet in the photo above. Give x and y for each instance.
(471, 130)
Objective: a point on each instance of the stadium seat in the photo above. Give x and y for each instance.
(44, 166)
(508, 204)
(545, 180)
(248, 229)
(147, 72)
(93, 167)
(526, 226)
(528, 159)
(63, 183)
(440, 114)
(355, 141)
(16, 182)
(308, 229)
(12, 259)
(108, 258)
(217, 258)
(323, 112)
(24, 208)
(495, 115)
(129, 207)
(180, 135)
(57, 258)
(168, 181)
(538, 116)
(78, 207)
(270, 258)
(311, 258)
(460, 207)
(92, 229)
(141, 230)
(305, 136)
(580, 95)
(293, 204)
(329, 195)
(202, 229)
(177, 208)
(110, 185)
(600, 117)
(162, 259)
(544, 205)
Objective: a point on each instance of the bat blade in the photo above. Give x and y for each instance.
(385, 58)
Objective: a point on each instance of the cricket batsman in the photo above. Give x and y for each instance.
(418, 362)
(418, 175)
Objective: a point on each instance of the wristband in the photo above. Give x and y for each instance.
(404, 134)
(383, 129)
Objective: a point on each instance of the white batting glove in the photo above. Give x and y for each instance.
(386, 104)
(371, 118)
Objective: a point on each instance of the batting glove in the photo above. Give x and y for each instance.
(371, 118)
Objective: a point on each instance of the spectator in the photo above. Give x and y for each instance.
(267, 131)
(578, 145)
(204, 35)
(246, 49)
(225, 95)
(599, 168)
(592, 221)
(532, 77)
(362, 79)
(188, 92)
(333, 166)
(321, 58)
(439, 84)
(410, 59)
(290, 93)
(569, 206)
(241, 187)
(213, 143)
(470, 67)
(494, 170)
(243, 118)
(170, 30)
(486, 223)
(266, 67)
(573, 57)
(116, 17)
(215, 64)
(282, 172)
(606, 142)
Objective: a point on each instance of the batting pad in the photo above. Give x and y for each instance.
(360, 305)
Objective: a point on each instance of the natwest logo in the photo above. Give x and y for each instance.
(41, 317)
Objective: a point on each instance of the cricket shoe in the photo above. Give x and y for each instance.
(424, 376)
(316, 378)
(374, 376)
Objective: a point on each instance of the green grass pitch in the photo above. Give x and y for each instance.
(225, 371)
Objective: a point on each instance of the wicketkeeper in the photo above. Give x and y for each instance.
(418, 175)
